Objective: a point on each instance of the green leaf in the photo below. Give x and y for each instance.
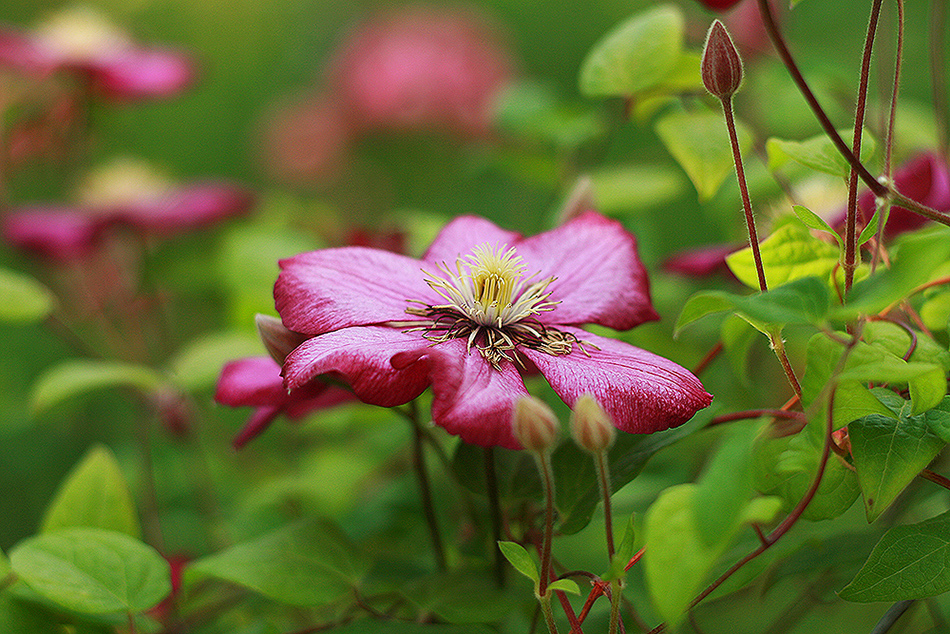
(92, 571)
(94, 494)
(910, 562)
(915, 260)
(24, 299)
(789, 254)
(619, 188)
(636, 55)
(198, 365)
(726, 485)
(939, 419)
(700, 144)
(870, 229)
(888, 455)
(565, 585)
(519, 558)
(76, 377)
(578, 493)
(853, 400)
(624, 553)
(533, 112)
(737, 338)
(701, 304)
(817, 153)
(804, 301)
(307, 563)
(459, 597)
(786, 467)
(20, 617)
(677, 559)
(814, 221)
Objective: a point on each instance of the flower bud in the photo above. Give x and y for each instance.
(591, 427)
(719, 5)
(535, 425)
(278, 339)
(721, 67)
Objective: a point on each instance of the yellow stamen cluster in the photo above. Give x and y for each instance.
(492, 305)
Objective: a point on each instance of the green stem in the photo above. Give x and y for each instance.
(778, 345)
(744, 190)
(547, 479)
(545, 600)
(425, 489)
(494, 508)
(615, 593)
(603, 480)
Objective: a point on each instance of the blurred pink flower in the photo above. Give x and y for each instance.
(482, 306)
(81, 41)
(307, 141)
(701, 262)
(422, 68)
(126, 194)
(256, 382)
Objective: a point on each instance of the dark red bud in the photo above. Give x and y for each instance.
(721, 67)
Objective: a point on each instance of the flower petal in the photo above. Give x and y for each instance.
(190, 207)
(57, 233)
(643, 392)
(360, 357)
(254, 381)
(462, 234)
(135, 74)
(599, 276)
(326, 290)
(256, 425)
(470, 398)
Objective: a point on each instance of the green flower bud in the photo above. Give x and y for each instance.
(535, 425)
(591, 427)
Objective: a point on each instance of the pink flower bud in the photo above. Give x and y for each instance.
(535, 425)
(591, 427)
(721, 67)
(719, 5)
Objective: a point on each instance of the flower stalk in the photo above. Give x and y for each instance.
(425, 488)
(721, 71)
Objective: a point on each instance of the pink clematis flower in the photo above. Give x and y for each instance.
(81, 41)
(483, 306)
(421, 68)
(125, 193)
(256, 382)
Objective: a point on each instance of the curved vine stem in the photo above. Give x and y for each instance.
(850, 252)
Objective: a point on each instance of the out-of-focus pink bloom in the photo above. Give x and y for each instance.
(925, 178)
(719, 5)
(307, 141)
(747, 30)
(422, 68)
(701, 262)
(127, 194)
(81, 41)
(481, 305)
(256, 382)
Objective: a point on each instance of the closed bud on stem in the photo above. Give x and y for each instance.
(721, 67)
(279, 341)
(591, 427)
(535, 425)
